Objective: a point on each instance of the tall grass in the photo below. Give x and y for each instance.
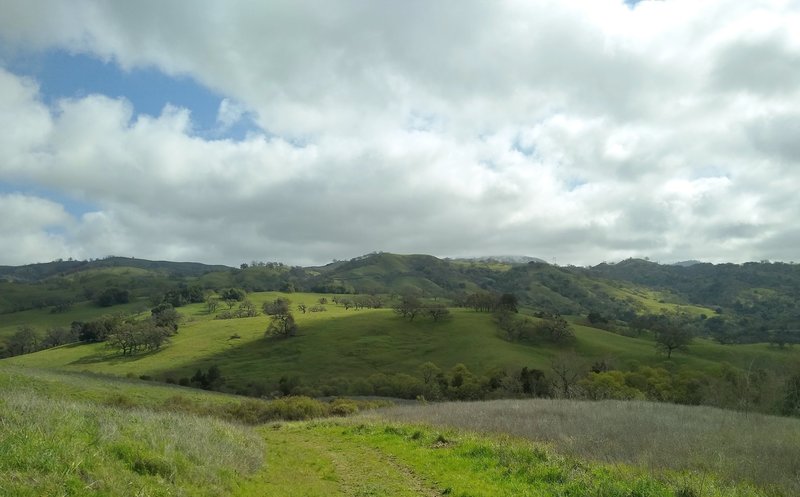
(57, 447)
(735, 446)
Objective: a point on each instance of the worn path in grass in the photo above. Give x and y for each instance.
(360, 457)
(307, 463)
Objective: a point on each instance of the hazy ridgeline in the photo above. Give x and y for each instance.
(738, 446)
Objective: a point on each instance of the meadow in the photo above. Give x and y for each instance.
(58, 436)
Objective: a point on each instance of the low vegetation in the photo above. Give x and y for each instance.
(763, 450)
(79, 434)
(59, 447)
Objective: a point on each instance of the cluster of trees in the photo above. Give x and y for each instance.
(359, 302)
(246, 309)
(122, 333)
(409, 307)
(26, 340)
(112, 296)
(182, 295)
(428, 381)
(549, 328)
(207, 380)
(489, 302)
(130, 336)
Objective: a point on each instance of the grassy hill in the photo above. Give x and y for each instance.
(374, 351)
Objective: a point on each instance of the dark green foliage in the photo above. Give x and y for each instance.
(483, 302)
(282, 323)
(112, 296)
(549, 329)
(278, 306)
(791, 399)
(508, 302)
(165, 316)
(61, 307)
(207, 380)
(534, 382)
(24, 341)
(97, 330)
(234, 294)
(595, 317)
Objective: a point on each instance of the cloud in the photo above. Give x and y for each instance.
(31, 221)
(549, 128)
(229, 113)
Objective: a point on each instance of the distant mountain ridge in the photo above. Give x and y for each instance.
(506, 259)
(757, 296)
(40, 271)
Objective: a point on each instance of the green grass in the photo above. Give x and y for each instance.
(348, 345)
(764, 450)
(42, 319)
(52, 447)
(78, 434)
(652, 301)
(358, 457)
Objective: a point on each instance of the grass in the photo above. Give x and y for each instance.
(652, 301)
(358, 457)
(78, 434)
(42, 319)
(130, 393)
(68, 448)
(764, 450)
(340, 345)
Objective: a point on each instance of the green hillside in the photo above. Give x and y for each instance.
(374, 351)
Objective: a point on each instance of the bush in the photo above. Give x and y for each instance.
(343, 407)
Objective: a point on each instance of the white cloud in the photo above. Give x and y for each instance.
(27, 224)
(552, 128)
(229, 113)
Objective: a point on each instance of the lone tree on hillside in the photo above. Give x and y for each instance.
(567, 369)
(408, 307)
(671, 335)
(282, 322)
(437, 311)
(508, 302)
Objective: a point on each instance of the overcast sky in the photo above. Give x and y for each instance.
(303, 131)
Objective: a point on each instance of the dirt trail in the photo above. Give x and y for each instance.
(306, 463)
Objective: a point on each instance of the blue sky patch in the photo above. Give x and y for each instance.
(64, 75)
(72, 205)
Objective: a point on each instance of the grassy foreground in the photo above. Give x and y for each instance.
(70, 448)
(357, 458)
(66, 434)
(736, 446)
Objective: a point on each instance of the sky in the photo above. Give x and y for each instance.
(305, 131)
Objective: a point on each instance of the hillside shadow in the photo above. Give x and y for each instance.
(112, 358)
(349, 347)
